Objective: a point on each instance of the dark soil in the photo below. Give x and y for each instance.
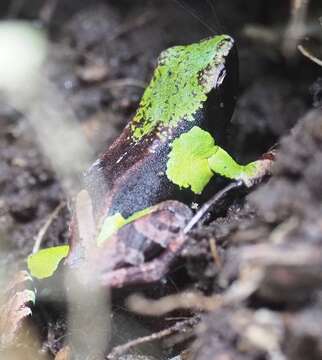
(102, 54)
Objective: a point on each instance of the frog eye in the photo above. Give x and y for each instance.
(214, 76)
(219, 75)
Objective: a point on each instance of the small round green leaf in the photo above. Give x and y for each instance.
(44, 263)
(188, 160)
(110, 226)
(115, 222)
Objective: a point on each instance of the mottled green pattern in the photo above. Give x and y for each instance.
(195, 158)
(180, 84)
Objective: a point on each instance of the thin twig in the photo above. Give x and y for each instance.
(214, 252)
(186, 300)
(44, 228)
(306, 53)
(121, 349)
(296, 27)
(209, 204)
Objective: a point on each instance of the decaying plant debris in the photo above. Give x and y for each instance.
(254, 271)
(278, 255)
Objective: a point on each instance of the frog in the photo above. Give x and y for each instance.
(170, 154)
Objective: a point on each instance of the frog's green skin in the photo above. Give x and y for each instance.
(172, 148)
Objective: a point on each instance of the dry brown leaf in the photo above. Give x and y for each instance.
(14, 308)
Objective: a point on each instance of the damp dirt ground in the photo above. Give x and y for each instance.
(269, 240)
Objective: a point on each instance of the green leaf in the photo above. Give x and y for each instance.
(137, 215)
(115, 222)
(110, 226)
(44, 263)
(188, 160)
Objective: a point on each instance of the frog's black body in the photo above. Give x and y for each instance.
(130, 177)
